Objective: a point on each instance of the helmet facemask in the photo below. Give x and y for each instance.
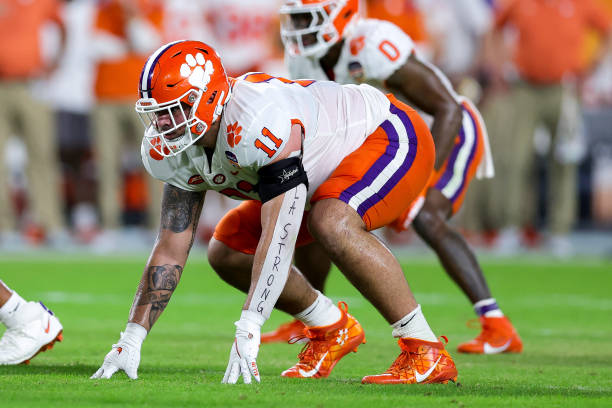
(308, 30)
(181, 112)
(183, 89)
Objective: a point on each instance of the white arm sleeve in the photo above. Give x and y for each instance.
(276, 266)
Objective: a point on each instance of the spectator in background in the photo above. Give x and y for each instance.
(597, 97)
(407, 15)
(22, 114)
(455, 30)
(246, 34)
(125, 33)
(596, 90)
(540, 90)
(185, 19)
(70, 91)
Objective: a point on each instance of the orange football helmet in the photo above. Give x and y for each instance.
(310, 27)
(185, 80)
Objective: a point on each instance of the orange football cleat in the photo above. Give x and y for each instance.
(420, 361)
(327, 345)
(497, 336)
(285, 333)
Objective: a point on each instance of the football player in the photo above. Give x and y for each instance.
(30, 328)
(327, 40)
(349, 154)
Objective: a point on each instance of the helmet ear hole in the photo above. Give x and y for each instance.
(212, 98)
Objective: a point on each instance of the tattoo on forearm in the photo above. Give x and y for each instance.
(180, 208)
(160, 284)
(196, 219)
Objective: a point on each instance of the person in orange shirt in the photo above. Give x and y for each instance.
(403, 13)
(22, 62)
(547, 62)
(245, 33)
(125, 33)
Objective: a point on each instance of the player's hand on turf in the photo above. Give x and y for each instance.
(125, 355)
(243, 355)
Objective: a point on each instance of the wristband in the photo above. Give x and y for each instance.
(134, 334)
(250, 320)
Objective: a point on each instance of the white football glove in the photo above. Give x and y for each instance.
(243, 355)
(125, 355)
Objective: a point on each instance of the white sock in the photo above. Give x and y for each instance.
(10, 308)
(414, 325)
(488, 308)
(322, 312)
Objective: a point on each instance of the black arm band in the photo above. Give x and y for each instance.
(280, 177)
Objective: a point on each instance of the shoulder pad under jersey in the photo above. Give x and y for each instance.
(380, 47)
(258, 131)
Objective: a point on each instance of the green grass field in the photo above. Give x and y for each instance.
(562, 311)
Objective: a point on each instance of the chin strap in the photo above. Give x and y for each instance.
(223, 100)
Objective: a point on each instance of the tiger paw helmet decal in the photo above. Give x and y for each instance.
(197, 69)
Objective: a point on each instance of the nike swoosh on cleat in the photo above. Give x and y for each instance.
(489, 349)
(314, 370)
(48, 325)
(422, 377)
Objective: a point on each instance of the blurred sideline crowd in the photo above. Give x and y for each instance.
(71, 172)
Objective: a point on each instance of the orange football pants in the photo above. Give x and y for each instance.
(457, 171)
(379, 180)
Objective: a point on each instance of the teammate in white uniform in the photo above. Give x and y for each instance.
(325, 39)
(349, 154)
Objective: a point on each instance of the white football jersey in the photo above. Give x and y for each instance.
(255, 128)
(373, 51)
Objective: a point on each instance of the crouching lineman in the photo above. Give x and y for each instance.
(351, 155)
(326, 39)
(30, 328)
